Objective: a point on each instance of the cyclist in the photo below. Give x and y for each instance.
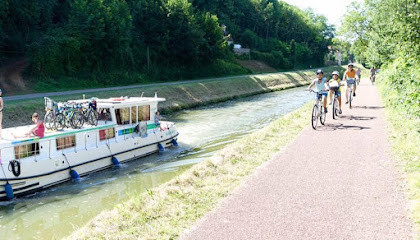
(350, 78)
(320, 84)
(372, 74)
(358, 75)
(334, 86)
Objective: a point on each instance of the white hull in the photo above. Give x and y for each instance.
(40, 173)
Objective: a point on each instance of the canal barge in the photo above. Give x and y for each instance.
(125, 131)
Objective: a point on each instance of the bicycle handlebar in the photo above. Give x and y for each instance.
(322, 91)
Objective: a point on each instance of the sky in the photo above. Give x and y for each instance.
(332, 9)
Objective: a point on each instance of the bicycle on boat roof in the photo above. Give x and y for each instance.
(74, 115)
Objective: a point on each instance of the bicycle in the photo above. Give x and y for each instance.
(89, 113)
(350, 82)
(51, 112)
(335, 104)
(318, 111)
(69, 116)
(372, 79)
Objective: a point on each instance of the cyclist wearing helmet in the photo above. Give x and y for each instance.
(320, 84)
(334, 85)
(350, 78)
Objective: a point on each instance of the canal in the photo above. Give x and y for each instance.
(56, 212)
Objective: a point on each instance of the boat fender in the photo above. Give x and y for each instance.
(137, 129)
(74, 175)
(14, 167)
(9, 191)
(161, 149)
(174, 142)
(115, 162)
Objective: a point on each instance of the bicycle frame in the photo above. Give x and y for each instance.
(319, 110)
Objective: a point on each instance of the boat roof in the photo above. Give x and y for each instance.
(16, 135)
(118, 101)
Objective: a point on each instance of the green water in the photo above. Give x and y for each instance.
(56, 212)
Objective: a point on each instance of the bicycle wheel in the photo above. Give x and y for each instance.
(49, 120)
(77, 120)
(92, 117)
(322, 115)
(59, 122)
(350, 98)
(314, 116)
(336, 107)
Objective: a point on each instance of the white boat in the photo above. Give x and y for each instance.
(126, 131)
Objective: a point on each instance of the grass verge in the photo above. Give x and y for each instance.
(166, 211)
(178, 96)
(405, 139)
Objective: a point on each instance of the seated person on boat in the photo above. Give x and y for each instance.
(38, 130)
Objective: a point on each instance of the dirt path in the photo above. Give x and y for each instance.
(338, 182)
(11, 75)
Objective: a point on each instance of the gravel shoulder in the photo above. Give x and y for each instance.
(338, 182)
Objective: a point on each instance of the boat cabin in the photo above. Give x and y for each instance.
(118, 119)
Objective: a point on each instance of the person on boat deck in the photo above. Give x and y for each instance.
(38, 130)
(157, 119)
(1, 112)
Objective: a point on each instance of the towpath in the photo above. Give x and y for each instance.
(61, 93)
(338, 182)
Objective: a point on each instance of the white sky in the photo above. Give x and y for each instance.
(332, 9)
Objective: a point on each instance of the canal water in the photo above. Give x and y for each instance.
(56, 212)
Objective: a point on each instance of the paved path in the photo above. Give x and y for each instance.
(320, 187)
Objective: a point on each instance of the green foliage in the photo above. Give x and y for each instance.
(401, 84)
(268, 26)
(273, 58)
(380, 31)
(161, 39)
(387, 33)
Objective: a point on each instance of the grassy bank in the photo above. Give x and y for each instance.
(166, 211)
(405, 139)
(218, 68)
(179, 96)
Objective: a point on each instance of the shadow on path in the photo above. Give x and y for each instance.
(358, 118)
(340, 126)
(368, 107)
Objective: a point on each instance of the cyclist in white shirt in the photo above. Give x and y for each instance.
(321, 88)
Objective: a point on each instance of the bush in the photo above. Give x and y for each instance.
(402, 85)
(275, 59)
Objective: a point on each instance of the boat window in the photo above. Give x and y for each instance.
(104, 114)
(26, 150)
(123, 116)
(66, 142)
(105, 134)
(144, 113)
(133, 114)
